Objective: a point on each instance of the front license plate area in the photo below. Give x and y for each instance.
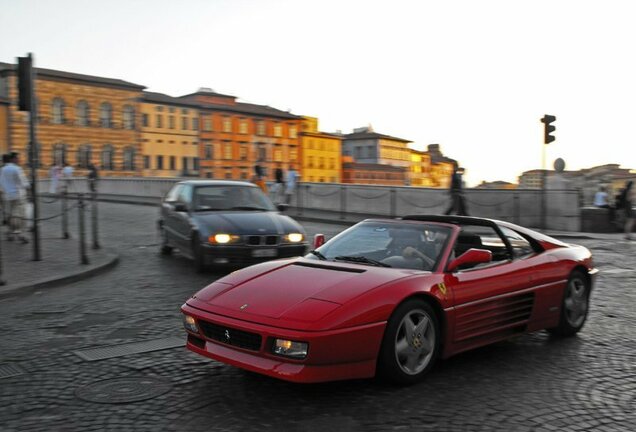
(261, 253)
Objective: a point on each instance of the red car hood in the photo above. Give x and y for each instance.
(302, 290)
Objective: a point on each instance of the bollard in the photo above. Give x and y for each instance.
(94, 218)
(2, 281)
(65, 234)
(82, 234)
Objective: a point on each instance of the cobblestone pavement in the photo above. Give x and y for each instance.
(530, 383)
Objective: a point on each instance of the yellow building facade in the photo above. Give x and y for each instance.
(321, 153)
(169, 136)
(420, 169)
(82, 120)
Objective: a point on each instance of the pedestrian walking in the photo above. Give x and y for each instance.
(93, 176)
(600, 198)
(67, 175)
(15, 185)
(3, 207)
(278, 186)
(290, 184)
(259, 178)
(54, 174)
(626, 201)
(456, 191)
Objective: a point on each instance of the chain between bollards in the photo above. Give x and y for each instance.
(82, 234)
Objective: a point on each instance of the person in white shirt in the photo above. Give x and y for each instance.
(67, 175)
(290, 184)
(14, 185)
(600, 198)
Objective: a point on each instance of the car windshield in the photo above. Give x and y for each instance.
(396, 244)
(230, 197)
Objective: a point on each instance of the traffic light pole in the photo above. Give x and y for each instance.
(547, 121)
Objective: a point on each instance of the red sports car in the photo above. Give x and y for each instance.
(390, 297)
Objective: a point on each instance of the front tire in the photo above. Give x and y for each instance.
(197, 254)
(575, 305)
(411, 343)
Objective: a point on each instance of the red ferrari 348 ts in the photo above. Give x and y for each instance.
(390, 297)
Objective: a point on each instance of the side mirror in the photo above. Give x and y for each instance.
(471, 256)
(319, 240)
(282, 207)
(180, 207)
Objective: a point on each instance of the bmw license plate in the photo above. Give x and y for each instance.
(260, 253)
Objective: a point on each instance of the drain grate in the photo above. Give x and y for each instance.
(123, 390)
(120, 350)
(10, 370)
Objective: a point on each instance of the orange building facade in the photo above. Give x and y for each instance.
(82, 119)
(235, 136)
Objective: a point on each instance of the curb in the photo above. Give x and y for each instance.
(7, 292)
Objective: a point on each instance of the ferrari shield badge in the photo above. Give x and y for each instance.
(442, 288)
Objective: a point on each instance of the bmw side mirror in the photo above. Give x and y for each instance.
(470, 257)
(180, 207)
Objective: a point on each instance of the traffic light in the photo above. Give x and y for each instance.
(547, 120)
(24, 83)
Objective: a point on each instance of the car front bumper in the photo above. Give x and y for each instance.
(333, 355)
(243, 254)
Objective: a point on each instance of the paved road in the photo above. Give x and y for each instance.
(530, 383)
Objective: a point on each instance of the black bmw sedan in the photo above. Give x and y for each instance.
(218, 222)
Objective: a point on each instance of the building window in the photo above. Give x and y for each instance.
(146, 162)
(243, 152)
(171, 122)
(321, 163)
(173, 163)
(262, 153)
(207, 124)
(278, 155)
(144, 120)
(209, 174)
(227, 124)
(107, 157)
(278, 130)
(59, 154)
(58, 111)
(106, 115)
(195, 123)
(159, 108)
(159, 162)
(228, 174)
(293, 132)
(243, 126)
(129, 159)
(84, 156)
(208, 151)
(184, 123)
(310, 161)
(293, 154)
(83, 114)
(129, 117)
(195, 162)
(260, 128)
(159, 121)
(227, 151)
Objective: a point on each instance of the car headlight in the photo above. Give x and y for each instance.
(190, 324)
(294, 238)
(293, 349)
(222, 238)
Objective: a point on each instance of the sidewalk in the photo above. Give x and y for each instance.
(60, 261)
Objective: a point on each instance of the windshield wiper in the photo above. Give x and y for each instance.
(246, 208)
(362, 260)
(319, 255)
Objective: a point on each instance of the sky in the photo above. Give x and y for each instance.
(472, 76)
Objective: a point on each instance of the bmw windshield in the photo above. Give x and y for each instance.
(228, 198)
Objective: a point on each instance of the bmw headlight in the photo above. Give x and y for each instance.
(293, 349)
(223, 238)
(294, 238)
